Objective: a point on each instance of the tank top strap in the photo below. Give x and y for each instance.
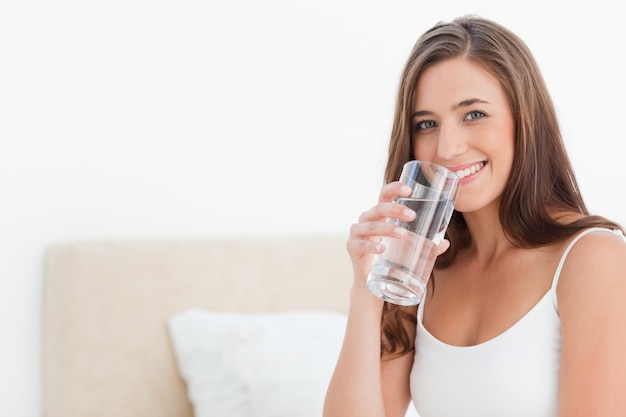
(557, 274)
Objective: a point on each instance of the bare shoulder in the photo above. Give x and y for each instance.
(595, 267)
(590, 296)
(598, 249)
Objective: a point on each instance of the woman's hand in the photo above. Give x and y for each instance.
(366, 235)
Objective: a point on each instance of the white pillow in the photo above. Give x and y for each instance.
(257, 364)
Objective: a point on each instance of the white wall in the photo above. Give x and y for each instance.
(189, 118)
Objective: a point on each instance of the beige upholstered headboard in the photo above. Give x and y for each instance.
(106, 347)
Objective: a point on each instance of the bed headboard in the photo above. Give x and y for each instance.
(106, 303)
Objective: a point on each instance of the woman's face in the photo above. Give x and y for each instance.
(462, 120)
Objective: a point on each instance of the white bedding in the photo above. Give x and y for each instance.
(257, 365)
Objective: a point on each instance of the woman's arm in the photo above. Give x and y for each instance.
(362, 385)
(592, 304)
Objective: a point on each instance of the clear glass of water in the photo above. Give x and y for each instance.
(399, 275)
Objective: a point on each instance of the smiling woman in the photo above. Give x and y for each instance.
(510, 323)
(134, 118)
(463, 121)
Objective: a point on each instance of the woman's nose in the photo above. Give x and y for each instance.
(451, 143)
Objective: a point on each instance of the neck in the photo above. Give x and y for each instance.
(487, 234)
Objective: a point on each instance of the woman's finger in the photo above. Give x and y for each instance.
(443, 246)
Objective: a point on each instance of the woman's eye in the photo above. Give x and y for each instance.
(425, 124)
(475, 115)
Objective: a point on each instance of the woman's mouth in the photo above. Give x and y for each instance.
(462, 173)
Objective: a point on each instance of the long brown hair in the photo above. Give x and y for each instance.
(542, 180)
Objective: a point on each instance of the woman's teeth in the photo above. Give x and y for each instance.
(462, 173)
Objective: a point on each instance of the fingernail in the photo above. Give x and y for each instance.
(399, 231)
(409, 213)
(406, 189)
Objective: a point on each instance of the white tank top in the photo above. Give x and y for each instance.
(514, 374)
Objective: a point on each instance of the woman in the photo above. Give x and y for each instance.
(524, 313)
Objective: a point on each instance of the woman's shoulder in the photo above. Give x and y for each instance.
(594, 248)
(594, 238)
(595, 263)
(596, 241)
(591, 309)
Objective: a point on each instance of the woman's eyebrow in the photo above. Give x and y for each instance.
(464, 103)
(421, 113)
(469, 102)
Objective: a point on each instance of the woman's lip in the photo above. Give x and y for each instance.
(469, 165)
